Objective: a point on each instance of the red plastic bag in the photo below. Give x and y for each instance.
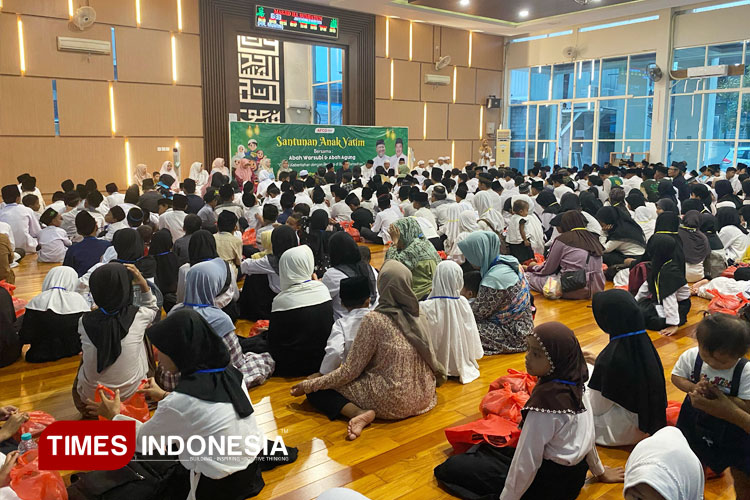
(504, 403)
(248, 237)
(19, 305)
(259, 326)
(30, 483)
(727, 304)
(539, 258)
(673, 411)
(442, 254)
(518, 381)
(135, 406)
(729, 272)
(37, 422)
(494, 430)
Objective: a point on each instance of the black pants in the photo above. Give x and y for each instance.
(437, 243)
(480, 474)
(656, 322)
(256, 298)
(257, 344)
(370, 235)
(521, 252)
(328, 402)
(614, 261)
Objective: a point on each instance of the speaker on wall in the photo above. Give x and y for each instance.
(494, 102)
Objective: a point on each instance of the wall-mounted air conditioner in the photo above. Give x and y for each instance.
(437, 79)
(69, 44)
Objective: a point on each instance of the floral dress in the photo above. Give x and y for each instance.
(504, 317)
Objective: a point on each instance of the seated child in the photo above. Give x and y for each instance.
(355, 297)
(472, 279)
(525, 235)
(53, 240)
(723, 341)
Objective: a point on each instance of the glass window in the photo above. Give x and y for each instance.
(518, 122)
(320, 98)
(614, 76)
(337, 103)
(529, 156)
(638, 125)
(532, 123)
(587, 79)
(581, 154)
(611, 118)
(320, 64)
(685, 117)
(337, 65)
(540, 83)
(545, 152)
(684, 59)
(743, 153)
(637, 147)
(562, 82)
(720, 115)
(683, 151)
(745, 117)
(717, 152)
(583, 121)
(639, 83)
(519, 85)
(604, 148)
(518, 155)
(730, 54)
(547, 127)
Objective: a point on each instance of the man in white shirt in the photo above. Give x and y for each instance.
(380, 158)
(113, 197)
(174, 218)
(559, 188)
(379, 234)
(340, 211)
(367, 171)
(441, 163)
(21, 219)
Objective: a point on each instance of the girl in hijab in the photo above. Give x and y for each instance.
(112, 335)
(204, 283)
(244, 173)
(733, 236)
(140, 174)
(574, 250)
(664, 297)
(666, 191)
(412, 249)
(568, 202)
(50, 324)
(557, 443)
(716, 262)
(643, 213)
(590, 204)
(303, 300)
(663, 467)
(666, 205)
(623, 416)
(346, 262)
(725, 195)
(490, 219)
(503, 306)
(218, 171)
(695, 246)
(262, 281)
(199, 175)
(546, 199)
(202, 248)
(167, 266)
(625, 240)
(265, 179)
(167, 168)
(668, 223)
(10, 345)
(210, 400)
(317, 239)
(391, 370)
(451, 324)
(467, 224)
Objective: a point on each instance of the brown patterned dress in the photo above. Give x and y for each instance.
(382, 372)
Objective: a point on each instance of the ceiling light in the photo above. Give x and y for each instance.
(464, 3)
(523, 13)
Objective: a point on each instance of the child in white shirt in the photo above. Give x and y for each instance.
(53, 239)
(525, 235)
(251, 209)
(355, 297)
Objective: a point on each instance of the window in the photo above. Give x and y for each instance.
(540, 83)
(327, 85)
(587, 79)
(730, 54)
(519, 86)
(562, 84)
(614, 76)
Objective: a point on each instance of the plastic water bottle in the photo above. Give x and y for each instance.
(26, 443)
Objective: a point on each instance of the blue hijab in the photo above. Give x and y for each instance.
(203, 283)
(482, 249)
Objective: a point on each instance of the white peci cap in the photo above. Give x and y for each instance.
(302, 173)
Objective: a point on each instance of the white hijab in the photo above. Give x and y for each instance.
(59, 293)
(199, 175)
(483, 203)
(164, 170)
(298, 289)
(451, 323)
(665, 462)
(451, 225)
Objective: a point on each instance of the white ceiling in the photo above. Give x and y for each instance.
(400, 8)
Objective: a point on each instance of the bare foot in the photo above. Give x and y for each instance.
(358, 423)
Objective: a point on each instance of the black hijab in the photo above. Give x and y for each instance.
(624, 228)
(629, 362)
(694, 243)
(317, 238)
(665, 275)
(727, 216)
(708, 227)
(724, 192)
(546, 198)
(635, 199)
(346, 257)
(206, 372)
(668, 224)
(568, 202)
(692, 204)
(10, 344)
(167, 266)
(590, 203)
(561, 390)
(666, 190)
(666, 205)
(201, 247)
(130, 250)
(282, 239)
(112, 291)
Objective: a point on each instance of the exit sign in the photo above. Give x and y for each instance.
(296, 22)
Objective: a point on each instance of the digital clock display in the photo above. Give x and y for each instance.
(296, 22)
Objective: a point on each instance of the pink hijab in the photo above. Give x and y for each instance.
(244, 173)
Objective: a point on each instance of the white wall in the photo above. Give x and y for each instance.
(297, 80)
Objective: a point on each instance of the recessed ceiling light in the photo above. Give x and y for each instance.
(523, 13)
(464, 3)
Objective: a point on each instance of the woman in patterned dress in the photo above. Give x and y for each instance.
(503, 307)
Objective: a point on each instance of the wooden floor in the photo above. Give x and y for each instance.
(392, 459)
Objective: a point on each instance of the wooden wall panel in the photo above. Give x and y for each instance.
(158, 110)
(43, 58)
(120, 13)
(422, 45)
(456, 44)
(435, 93)
(487, 51)
(83, 107)
(399, 43)
(382, 78)
(188, 59)
(437, 121)
(190, 21)
(463, 153)
(380, 36)
(466, 82)
(159, 14)
(46, 8)
(9, 45)
(463, 121)
(488, 83)
(75, 158)
(426, 150)
(26, 107)
(400, 114)
(144, 55)
(144, 150)
(405, 80)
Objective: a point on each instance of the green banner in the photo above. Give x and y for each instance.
(307, 147)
